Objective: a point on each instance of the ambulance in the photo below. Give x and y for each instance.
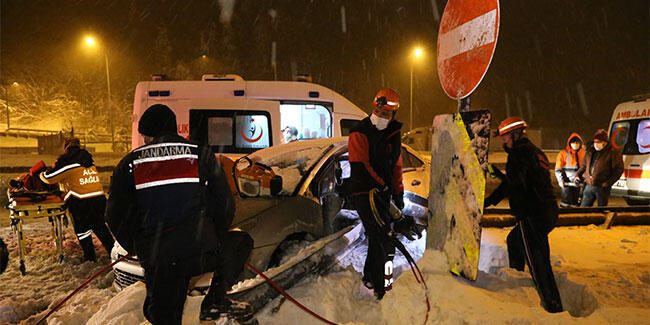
(236, 117)
(629, 131)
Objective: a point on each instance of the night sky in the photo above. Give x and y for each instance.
(562, 65)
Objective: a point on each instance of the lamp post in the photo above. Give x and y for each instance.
(417, 53)
(90, 42)
(7, 101)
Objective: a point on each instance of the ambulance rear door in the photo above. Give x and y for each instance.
(235, 126)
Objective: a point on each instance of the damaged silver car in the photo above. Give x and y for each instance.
(288, 193)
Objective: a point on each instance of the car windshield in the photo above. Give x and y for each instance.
(292, 161)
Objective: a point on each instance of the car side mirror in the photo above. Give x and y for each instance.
(276, 185)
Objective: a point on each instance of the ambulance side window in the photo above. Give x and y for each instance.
(312, 120)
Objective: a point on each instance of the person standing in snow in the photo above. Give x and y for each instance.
(84, 195)
(602, 168)
(567, 163)
(527, 185)
(374, 149)
(171, 205)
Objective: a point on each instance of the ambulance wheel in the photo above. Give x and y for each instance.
(631, 201)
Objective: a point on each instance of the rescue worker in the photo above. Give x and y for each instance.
(75, 171)
(527, 185)
(602, 168)
(567, 163)
(376, 163)
(171, 205)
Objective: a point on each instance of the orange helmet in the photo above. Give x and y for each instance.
(510, 124)
(387, 99)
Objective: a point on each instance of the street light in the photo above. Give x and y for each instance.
(417, 53)
(90, 43)
(15, 84)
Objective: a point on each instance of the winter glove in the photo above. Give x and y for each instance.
(407, 227)
(399, 200)
(495, 172)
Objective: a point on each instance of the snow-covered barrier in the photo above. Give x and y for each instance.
(457, 188)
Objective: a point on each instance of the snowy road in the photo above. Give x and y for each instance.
(603, 276)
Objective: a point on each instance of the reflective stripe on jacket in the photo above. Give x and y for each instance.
(170, 203)
(78, 176)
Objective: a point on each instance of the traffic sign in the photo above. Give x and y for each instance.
(466, 41)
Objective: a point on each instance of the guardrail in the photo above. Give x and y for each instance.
(578, 216)
(565, 210)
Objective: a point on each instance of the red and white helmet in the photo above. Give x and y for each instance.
(510, 124)
(386, 99)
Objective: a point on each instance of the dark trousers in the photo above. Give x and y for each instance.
(570, 195)
(234, 253)
(88, 216)
(166, 294)
(380, 246)
(167, 285)
(529, 245)
(4, 256)
(595, 193)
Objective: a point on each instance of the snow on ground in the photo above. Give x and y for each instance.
(603, 276)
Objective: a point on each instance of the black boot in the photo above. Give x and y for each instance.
(88, 248)
(216, 305)
(553, 306)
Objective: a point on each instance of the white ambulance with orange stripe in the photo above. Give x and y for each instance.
(629, 131)
(235, 116)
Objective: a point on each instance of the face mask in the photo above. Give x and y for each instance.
(599, 146)
(378, 122)
(575, 145)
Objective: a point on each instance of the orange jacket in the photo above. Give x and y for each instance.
(81, 182)
(568, 161)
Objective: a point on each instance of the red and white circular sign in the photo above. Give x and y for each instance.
(466, 42)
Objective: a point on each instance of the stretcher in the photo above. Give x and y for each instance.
(34, 205)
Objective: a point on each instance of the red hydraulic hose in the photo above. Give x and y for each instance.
(289, 297)
(79, 288)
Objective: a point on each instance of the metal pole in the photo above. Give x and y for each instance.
(7, 104)
(110, 107)
(463, 105)
(411, 101)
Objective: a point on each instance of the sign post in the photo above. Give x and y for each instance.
(459, 142)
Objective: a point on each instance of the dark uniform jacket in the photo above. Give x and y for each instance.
(169, 202)
(527, 185)
(602, 168)
(375, 158)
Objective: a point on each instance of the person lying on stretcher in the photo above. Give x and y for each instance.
(30, 186)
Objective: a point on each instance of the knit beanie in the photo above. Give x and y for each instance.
(601, 135)
(71, 142)
(157, 120)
